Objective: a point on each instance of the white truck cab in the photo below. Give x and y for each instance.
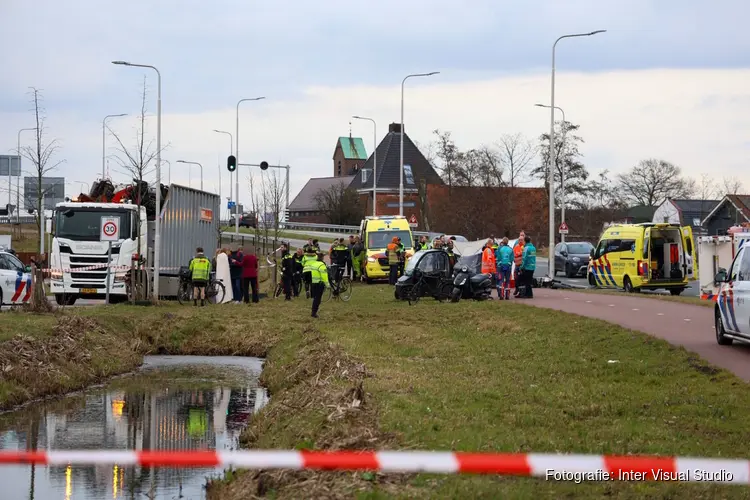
(732, 309)
(78, 259)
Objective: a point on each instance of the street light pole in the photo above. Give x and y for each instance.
(551, 173)
(194, 163)
(82, 183)
(157, 219)
(562, 169)
(18, 179)
(169, 174)
(237, 158)
(104, 141)
(374, 161)
(401, 170)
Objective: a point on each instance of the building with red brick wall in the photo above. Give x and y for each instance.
(478, 212)
(349, 156)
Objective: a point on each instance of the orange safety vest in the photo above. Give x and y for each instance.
(488, 261)
(518, 254)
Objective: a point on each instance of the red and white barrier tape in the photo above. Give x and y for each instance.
(117, 268)
(551, 467)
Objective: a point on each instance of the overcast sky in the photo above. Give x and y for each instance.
(669, 79)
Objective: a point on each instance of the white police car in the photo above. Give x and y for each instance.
(732, 310)
(15, 280)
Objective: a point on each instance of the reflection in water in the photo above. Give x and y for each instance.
(166, 417)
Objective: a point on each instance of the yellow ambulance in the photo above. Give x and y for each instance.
(648, 256)
(376, 233)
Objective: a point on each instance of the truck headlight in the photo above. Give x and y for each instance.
(371, 259)
(120, 278)
(56, 276)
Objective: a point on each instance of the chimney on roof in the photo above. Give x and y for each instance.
(394, 127)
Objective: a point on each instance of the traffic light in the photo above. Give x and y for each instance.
(264, 165)
(231, 163)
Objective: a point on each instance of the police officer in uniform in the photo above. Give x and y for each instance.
(339, 256)
(401, 257)
(318, 281)
(287, 270)
(298, 267)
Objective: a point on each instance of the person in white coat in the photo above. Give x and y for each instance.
(222, 275)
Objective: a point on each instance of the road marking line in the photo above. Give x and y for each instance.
(611, 305)
(687, 319)
(660, 314)
(588, 302)
(636, 309)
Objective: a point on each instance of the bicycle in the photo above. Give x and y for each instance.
(296, 287)
(417, 291)
(215, 289)
(341, 288)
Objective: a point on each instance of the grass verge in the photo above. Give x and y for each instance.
(486, 377)
(376, 374)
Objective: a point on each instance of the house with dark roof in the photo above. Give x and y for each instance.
(349, 156)
(304, 207)
(639, 214)
(685, 213)
(731, 211)
(417, 169)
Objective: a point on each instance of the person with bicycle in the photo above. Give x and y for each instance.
(200, 271)
(287, 270)
(339, 258)
(318, 281)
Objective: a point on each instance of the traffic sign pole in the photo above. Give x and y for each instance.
(109, 232)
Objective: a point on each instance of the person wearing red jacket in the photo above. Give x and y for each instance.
(250, 276)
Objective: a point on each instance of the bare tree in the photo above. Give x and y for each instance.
(258, 207)
(731, 185)
(654, 181)
(274, 196)
(340, 205)
(516, 154)
(449, 155)
(40, 155)
(136, 162)
(567, 160)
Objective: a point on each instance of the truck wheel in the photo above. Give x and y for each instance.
(675, 291)
(627, 285)
(720, 331)
(592, 280)
(456, 294)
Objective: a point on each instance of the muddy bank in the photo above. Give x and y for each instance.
(317, 401)
(53, 354)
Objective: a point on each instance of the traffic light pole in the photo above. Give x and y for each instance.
(267, 166)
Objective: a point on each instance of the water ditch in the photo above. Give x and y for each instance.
(170, 403)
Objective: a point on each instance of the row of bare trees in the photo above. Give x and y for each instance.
(516, 161)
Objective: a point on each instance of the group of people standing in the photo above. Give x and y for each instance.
(498, 260)
(396, 253)
(305, 266)
(242, 269)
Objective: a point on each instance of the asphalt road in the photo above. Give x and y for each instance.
(686, 325)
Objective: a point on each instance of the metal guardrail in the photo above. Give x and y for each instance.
(328, 228)
(27, 219)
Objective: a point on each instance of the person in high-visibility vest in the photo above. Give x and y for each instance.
(488, 259)
(200, 270)
(298, 268)
(357, 257)
(318, 281)
(528, 266)
(392, 252)
(310, 254)
(517, 258)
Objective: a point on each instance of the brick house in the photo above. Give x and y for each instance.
(304, 208)
(417, 170)
(349, 156)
